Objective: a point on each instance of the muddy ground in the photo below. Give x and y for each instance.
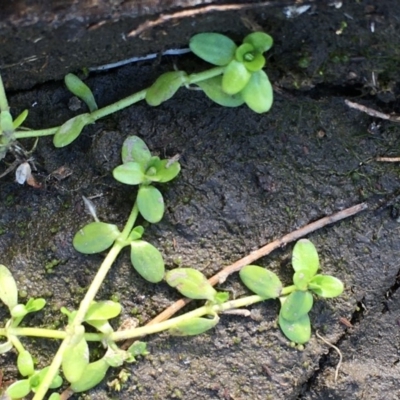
(246, 179)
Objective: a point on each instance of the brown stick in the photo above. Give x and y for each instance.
(202, 10)
(372, 112)
(388, 159)
(263, 251)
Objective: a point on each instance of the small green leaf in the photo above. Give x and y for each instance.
(34, 305)
(213, 90)
(19, 389)
(25, 363)
(147, 261)
(298, 331)
(244, 52)
(130, 173)
(116, 357)
(301, 279)
(214, 48)
(150, 203)
(221, 297)
(8, 288)
(136, 233)
(138, 348)
(95, 237)
(19, 311)
(20, 119)
(135, 149)
(55, 396)
(165, 171)
(235, 78)
(260, 41)
(326, 286)
(81, 90)
(75, 360)
(256, 64)
(94, 374)
(258, 94)
(36, 379)
(194, 326)
(261, 281)
(71, 129)
(191, 283)
(305, 257)
(103, 310)
(296, 305)
(165, 87)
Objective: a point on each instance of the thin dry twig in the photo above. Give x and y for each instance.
(388, 159)
(263, 251)
(200, 10)
(372, 112)
(338, 351)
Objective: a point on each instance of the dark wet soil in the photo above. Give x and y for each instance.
(246, 179)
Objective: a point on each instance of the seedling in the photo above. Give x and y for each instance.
(238, 78)
(140, 168)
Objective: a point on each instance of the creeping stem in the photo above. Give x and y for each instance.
(117, 106)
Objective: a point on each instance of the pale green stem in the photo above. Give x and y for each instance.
(16, 343)
(85, 303)
(288, 289)
(205, 310)
(121, 104)
(3, 97)
(46, 333)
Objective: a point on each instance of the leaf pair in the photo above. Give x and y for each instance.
(71, 129)
(139, 167)
(243, 80)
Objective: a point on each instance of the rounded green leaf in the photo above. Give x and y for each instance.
(8, 288)
(260, 41)
(165, 87)
(256, 63)
(81, 90)
(213, 89)
(103, 310)
(305, 257)
(136, 233)
(147, 261)
(75, 360)
(326, 286)
(71, 129)
(19, 389)
(165, 170)
(130, 173)
(25, 363)
(296, 305)
(138, 348)
(36, 379)
(55, 396)
(298, 331)
(245, 52)
(94, 374)
(194, 326)
(191, 283)
(95, 237)
(261, 281)
(214, 48)
(235, 77)
(301, 279)
(19, 311)
(135, 149)
(150, 203)
(34, 305)
(258, 94)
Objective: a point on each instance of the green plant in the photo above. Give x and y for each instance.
(237, 79)
(73, 354)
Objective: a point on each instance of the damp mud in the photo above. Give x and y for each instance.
(246, 180)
